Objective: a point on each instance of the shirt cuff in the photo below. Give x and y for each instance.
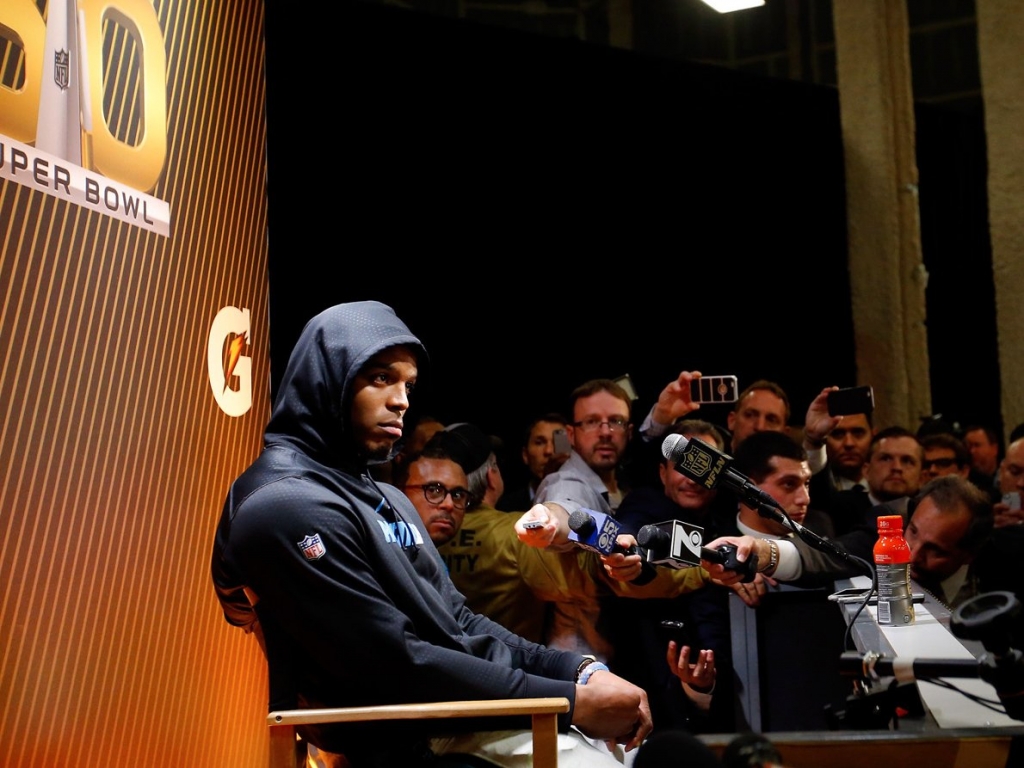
(701, 700)
(790, 566)
(817, 458)
(651, 429)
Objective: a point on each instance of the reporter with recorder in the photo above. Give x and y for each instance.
(599, 432)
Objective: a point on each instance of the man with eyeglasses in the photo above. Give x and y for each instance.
(436, 486)
(599, 433)
(944, 455)
(456, 480)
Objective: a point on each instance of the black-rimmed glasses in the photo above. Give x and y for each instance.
(944, 463)
(593, 423)
(434, 493)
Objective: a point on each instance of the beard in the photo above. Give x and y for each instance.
(378, 454)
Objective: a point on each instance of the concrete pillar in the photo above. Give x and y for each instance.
(887, 277)
(1000, 42)
(620, 24)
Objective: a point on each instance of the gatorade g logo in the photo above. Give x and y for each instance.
(230, 370)
(83, 105)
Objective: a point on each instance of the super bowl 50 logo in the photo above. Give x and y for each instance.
(83, 110)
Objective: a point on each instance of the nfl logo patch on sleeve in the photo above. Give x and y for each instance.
(312, 547)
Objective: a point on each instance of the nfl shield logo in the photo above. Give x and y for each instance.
(312, 547)
(696, 461)
(61, 69)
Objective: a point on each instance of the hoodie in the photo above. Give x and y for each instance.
(339, 578)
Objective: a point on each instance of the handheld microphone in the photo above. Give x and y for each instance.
(708, 466)
(673, 543)
(680, 545)
(596, 531)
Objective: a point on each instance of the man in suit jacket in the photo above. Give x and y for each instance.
(846, 449)
(893, 474)
(950, 527)
(780, 468)
(778, 465)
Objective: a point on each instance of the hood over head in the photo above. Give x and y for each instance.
(311, 411)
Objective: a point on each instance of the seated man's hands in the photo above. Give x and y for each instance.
(608, 707)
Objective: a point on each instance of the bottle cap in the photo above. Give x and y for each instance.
(890, 524)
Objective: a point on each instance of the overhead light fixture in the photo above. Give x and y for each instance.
(728, 6)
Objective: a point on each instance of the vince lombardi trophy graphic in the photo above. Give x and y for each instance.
(59, 131)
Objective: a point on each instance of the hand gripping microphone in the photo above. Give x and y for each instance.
(673, 543)
(680, 545)
(709, 467)
(596, 531)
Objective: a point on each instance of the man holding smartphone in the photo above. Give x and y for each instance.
(762, 406)
(846, 451)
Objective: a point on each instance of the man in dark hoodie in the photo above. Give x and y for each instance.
(336, 575)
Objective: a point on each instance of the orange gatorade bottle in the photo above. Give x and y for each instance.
(892, 563)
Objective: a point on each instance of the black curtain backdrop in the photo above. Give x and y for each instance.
(544, 211)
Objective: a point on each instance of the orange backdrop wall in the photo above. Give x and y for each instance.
(133, 376)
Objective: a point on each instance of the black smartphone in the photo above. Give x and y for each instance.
(843, 402)
(674, 630)
(714, 389)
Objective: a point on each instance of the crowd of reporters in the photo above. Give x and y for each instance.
(956, 488)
